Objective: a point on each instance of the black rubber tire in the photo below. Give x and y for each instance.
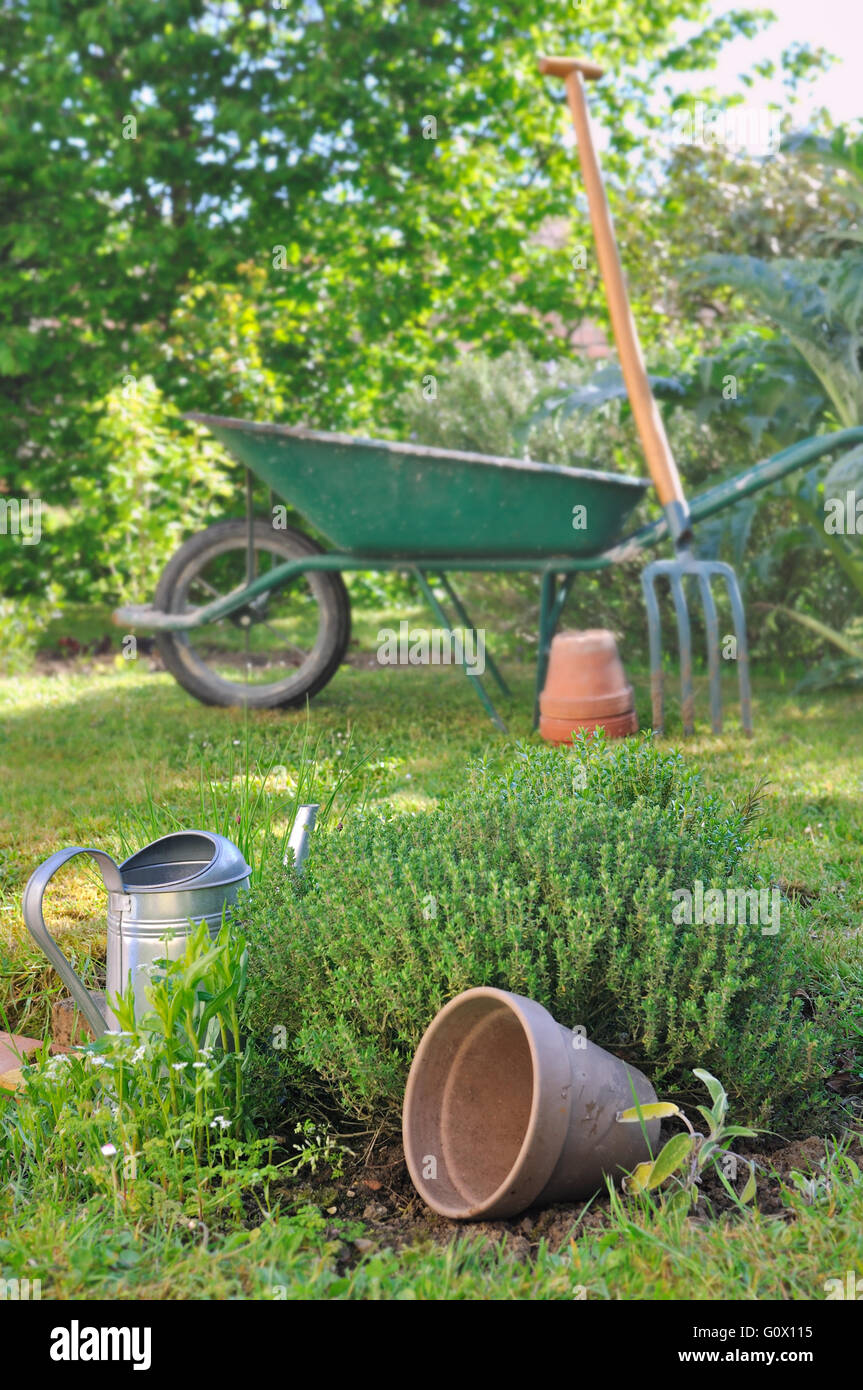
(327, 587)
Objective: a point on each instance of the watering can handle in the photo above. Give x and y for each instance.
(31, 904)
(648, 420)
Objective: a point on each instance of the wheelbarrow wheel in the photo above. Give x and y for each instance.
(280, 649)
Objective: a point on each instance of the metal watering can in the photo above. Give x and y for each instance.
(152, 897)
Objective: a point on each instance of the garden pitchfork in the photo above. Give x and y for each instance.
(660, 460)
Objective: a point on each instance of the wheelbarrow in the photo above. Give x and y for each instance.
(253, 613)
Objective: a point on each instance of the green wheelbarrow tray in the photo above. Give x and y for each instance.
(393, 500)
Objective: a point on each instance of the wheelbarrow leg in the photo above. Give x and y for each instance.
(546, 632)
(476, 681)
(551, 607)
(467, 622)
(560, 600)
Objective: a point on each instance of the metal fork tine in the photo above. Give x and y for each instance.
(739, 618)
(654, 639)
(676, 572)
(684, 637)
(711, 623)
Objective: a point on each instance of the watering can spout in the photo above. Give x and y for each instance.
(153, 897)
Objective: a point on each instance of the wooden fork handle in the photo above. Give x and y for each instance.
(651, 430)
(562, 67)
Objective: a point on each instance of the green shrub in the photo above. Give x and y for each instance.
(551, 876)
(23, 621)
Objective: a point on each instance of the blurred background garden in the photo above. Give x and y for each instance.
(366, 216)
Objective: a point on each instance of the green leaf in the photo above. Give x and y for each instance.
(671, 1156)
(8, 364)
(708, 1116)
(681, 1199)
(658, 1110)
(216, 1004)
(637, 1180)
(829, 634)
(200, 967)
(716, 1089)
(751, 1187)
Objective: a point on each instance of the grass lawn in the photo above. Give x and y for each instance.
(85, 744)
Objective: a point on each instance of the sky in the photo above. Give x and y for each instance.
(836, 25)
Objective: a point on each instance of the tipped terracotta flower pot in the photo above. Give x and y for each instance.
(586, 688)
(506, 1109)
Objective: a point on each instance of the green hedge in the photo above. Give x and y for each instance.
(551, 876)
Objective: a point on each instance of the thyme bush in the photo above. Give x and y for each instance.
(552, 876)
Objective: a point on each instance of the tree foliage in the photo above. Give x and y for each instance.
(403, 155)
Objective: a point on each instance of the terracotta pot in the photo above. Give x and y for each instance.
(562, 730)
(585, 688)
(599, 707)
(584, 667)
(506, 1109)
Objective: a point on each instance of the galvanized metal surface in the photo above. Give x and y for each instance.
(298, 841)
(153, 896)
(32, 909)
(676, 572)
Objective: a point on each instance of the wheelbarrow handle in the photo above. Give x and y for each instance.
(31, 904)
(651, 430)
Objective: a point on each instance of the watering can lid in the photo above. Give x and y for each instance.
(186, 859)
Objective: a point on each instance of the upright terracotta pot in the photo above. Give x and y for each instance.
(562, 730)
(506, 1109)
(585, 688)
(583, 668)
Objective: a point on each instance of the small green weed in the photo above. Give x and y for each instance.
(681, 1162)
(153, 1117)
